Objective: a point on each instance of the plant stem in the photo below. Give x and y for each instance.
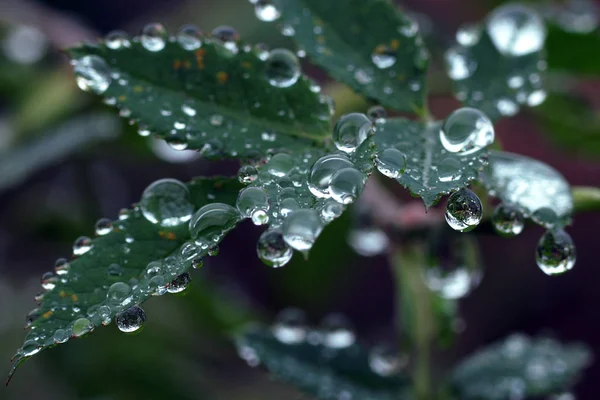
(586, 198)
(414, 313)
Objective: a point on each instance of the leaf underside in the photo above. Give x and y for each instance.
(322, 372)
(342, 36)
(431, 171)
(520, 367)
(131, 245)
(237, 112)
(498, 85)
(528, 184)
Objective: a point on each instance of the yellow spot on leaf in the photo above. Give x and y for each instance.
(48, 314)
(320, 39)
(394, 44)
(176, 64)
(74, 298)
(167, 235)
(246, 65)
(187, 64)
(200, 58)
(222, 77)
(62, 293)
(122, 98)
(138, 89)
(380, 49)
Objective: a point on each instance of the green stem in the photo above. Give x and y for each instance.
(415, 314)
(586, 198)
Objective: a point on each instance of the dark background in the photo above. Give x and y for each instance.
(181, 352)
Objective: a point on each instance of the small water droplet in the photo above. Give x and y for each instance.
(351, 131)
(466, 130)
(290, 326)
(386, 361)
(368, 241)
(273, 250)
(282, 68)
(81, 327)
(391, 162)
(463, 210)
(93, 74)
(131, 319)
(516, 30)
(545, 216)
(154, 37)
(62, 266)
(247, 174)
(449, 169)
(216, 120)
(227, 36)
(115, 270)
(189, 37)
(383, 56)
(508, 220)
(288, 30)
(61, 335)
(119, 293)
(346, 185)
(167, 202)
(103, 226)
(82, 245)
(179, 284)
(555, 253)
(188, 109)
(459, 63)
(377, 114)
(30, 347)
(253, 202)
(116, 40)
(301, 229)
(266, 11)
(337, 332)
(331, 210)
(468, 35)
(280, 165)
(211, 222)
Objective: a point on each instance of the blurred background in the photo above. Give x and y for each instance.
(67, 160)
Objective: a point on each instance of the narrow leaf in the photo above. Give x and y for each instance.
(217, 98)
(431, 171)
(367, 44)
(323, 372)
(75, 293)
(529, 185)
(520, 367)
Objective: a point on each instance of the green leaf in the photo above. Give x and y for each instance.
(492, 82)
(520, 367)
(571, 123)
(343, 36)
(320, 371)
(430, 170)
(529, 185)
(572, 52)
(211, 99)
(122, 255)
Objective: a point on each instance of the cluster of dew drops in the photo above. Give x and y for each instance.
(334, 333)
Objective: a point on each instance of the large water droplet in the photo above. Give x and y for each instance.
(93, 74)
(273, 250)
(466, 130)
(82, 326)
(30, 347)
(301, 229)
(180, 283)
(449, 169)
(189, 37)
(463, 210)
(131, 319)
(290, 326)
(167, 202)
(555, 252)
(61, 335)
(351, 130)
(508, 220)
(266, 11)
(280, 165)
(154, 37)
(323, 170)
(119, 293)
(282, 68)
(516, 30)
(346, 185)
(391, 162)
(386, 361)
(253, 202)
(337, 332)
(211, 222)
(82, 245)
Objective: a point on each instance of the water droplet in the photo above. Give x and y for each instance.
(323, 170)
(61, 336)
(103, 226)
(453, 268)
(545, 216)
(508, 220)
(282, 68)
(154, 37)
(331, 210)
(555, 253)
(188, 109)
(273, 250)
(377, 114)
(463, 210)
(180, 283)
(30, 347)
(288, 206)
(290, 326)
(253, 202)
(516, 30)
(449, 169)
(131, 319)
(189, 37)
(288, 30)
(385, 361)
(362, 76)
(459, 63)
(216, 120)
(116, 40)
(167, 202)
(383, 57)
(119, 293)
(93, 74)
(266, 11)
(391, 162)
(213, 250)
(507, 107)
(247, 174)
(211, 222)
(346, 185)
(227, 36)
(536, 98)
(49, 281)
(32, 317)
(468, 35)
(466, 130)
(301, 229)
(351, 130)
(81, 327)
(114, 270)
(337, 332)
(62, 266)
(280, 165)
(368, 242)
(82, 245)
